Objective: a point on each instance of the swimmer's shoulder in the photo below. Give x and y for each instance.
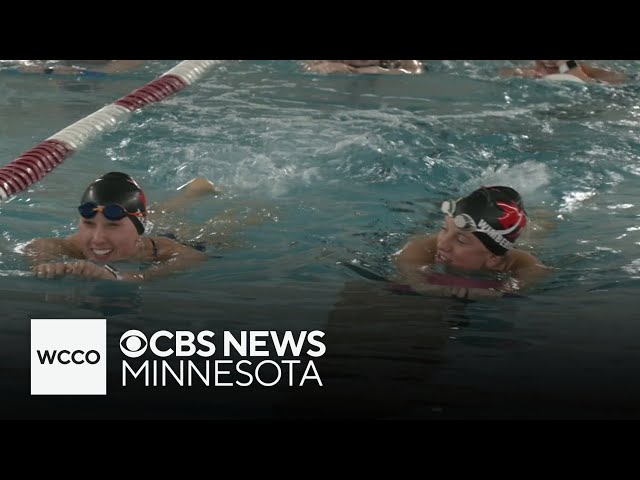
(50, 247)
(164, 248)
(424, 242)
(525, 268)
(517, 259)
(418, 249)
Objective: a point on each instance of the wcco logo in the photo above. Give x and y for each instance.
(68, 357)
(65, 357)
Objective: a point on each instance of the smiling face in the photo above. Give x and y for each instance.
(463, 249)
(103, 240)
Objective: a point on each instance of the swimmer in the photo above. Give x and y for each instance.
(79, 67)
(113, 218)
(580, 70)
(478, 235)
(364, 66)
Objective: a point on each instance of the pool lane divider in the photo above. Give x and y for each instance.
(36, 162)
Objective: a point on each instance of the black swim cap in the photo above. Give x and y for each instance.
(500, 208)
(121, 189)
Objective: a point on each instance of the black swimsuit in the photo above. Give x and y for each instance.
(200, 246)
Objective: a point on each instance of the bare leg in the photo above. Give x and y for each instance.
(219, 230)
(196, 188)
(541, 223)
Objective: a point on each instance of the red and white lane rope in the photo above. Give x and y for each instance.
(36, 162)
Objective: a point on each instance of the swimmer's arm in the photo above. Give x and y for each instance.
(377, 70)
(527, 277)
(325, 66)
(416, 254)
(400, 66)
(173, 257)
(603, 75)
(527, 270)
(411, 259)
(41, 250)
(118, 66)
(371, 70)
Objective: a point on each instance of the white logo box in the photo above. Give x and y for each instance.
(68, 356)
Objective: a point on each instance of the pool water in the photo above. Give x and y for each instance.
(326, 170)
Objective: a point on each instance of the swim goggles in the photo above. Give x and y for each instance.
(112, 211)
(467, 224)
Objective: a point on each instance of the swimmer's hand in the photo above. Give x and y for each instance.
(50, 270)
(82, 268)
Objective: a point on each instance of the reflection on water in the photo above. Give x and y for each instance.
(320, 169)
(382, 351)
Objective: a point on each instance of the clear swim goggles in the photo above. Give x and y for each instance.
(467, 224)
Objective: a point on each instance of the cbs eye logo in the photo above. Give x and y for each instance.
(133, 343)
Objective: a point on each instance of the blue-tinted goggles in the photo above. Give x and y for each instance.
(111, 212)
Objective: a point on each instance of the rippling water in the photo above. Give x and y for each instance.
(342, 169)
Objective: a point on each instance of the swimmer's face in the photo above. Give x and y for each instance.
(105, 240)
(461, 249)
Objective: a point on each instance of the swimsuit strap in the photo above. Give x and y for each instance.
(155, 248)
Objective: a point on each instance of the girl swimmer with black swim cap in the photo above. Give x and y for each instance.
(113, 217)
(479, 234)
